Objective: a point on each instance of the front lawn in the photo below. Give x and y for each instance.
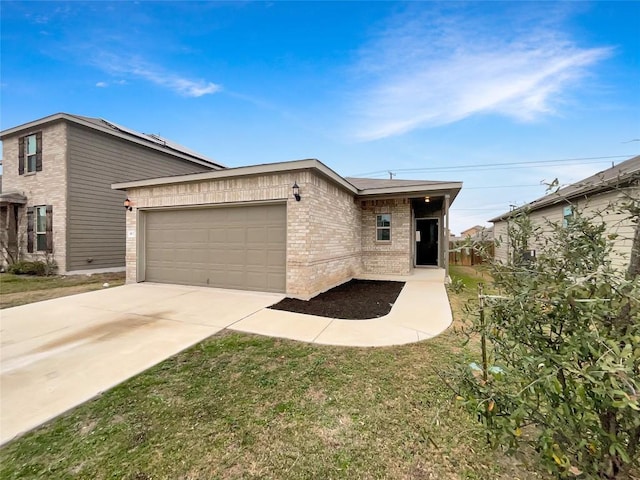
(244, 406)
(22, 289)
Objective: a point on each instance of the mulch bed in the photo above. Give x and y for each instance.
(354, 300)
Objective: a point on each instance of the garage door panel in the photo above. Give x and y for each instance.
(235, 258)
(230, 247)
(256, 258)
(217, 235)
(256, 235)
(276, 258)
(276, 235)
(236, 235)
(256, 279)
(274, 279)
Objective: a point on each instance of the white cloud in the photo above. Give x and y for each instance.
(136, 67)
(436, 68)
(102, 84)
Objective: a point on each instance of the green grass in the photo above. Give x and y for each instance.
(22, 289)
(243, 406)
(470, 276)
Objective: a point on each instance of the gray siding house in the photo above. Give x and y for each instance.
(596, 196)
(56, 201)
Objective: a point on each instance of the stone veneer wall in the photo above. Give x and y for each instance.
(323, 238)
(387, 257)
(47, 187)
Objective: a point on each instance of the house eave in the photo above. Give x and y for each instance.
(251, 170)
(618, 176)
(414, 191)
(57, 117)
(551, 202)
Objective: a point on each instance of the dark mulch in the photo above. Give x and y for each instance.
(354, 300)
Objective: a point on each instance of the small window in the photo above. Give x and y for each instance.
(41, 228)
(31, 147)
(383, 227)
(567, 214)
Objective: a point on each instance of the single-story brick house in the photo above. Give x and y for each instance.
(249, 228)
(598, 197)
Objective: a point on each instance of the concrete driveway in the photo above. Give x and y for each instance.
(59, 353)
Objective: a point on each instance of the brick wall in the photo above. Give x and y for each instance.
(47, 187)
(323, 237)
(387, 257)
(333, 233)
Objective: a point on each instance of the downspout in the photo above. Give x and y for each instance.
(447, 236)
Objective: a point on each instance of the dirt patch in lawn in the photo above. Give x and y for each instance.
(354, 300)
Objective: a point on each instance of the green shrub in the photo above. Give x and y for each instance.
(32, 268)
(561, 371)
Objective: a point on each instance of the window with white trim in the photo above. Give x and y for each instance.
(383, 227)
(30, 153)
(31, 150)
(41, 228)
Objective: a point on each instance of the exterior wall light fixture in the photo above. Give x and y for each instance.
(296, 191)
(127, 204)
(427, 199)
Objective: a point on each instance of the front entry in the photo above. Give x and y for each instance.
(426, 241)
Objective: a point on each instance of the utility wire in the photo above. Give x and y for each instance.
(503, 186)
(491, 166)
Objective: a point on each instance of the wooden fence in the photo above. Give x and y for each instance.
(459, 254)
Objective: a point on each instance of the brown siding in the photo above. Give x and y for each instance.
(96, 216)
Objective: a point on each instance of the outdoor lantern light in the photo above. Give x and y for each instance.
(127, 205)
(296, 191)
(427, 199)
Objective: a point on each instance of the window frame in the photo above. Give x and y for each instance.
(382, 228)
(567, 214)
(40, 234)
(31, 157)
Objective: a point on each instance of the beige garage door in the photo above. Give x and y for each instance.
(231, 247)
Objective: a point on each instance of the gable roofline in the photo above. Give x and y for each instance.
(415, 187)
(154, 142)
(619, 175)
(250, 170)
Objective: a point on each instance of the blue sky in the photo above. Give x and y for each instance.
(428, 90)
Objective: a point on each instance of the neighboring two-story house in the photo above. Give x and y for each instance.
(599, 196)
(56, 201)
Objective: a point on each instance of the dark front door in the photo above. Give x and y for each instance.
(427, 241)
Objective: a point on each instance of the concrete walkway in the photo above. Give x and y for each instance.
(58, 353)
(421, 311)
